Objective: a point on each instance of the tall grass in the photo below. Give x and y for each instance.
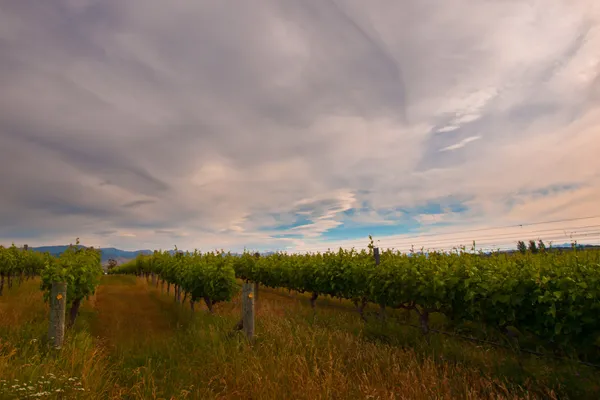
(28, 368)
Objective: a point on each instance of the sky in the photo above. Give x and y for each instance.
(299, 125)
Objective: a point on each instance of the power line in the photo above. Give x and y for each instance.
(482, 242)
(505, 236)
(480, 245)
(504, 227)
(324, 246)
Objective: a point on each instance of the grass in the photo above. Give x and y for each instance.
(133, 342)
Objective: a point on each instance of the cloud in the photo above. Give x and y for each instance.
(461, 144)
(137, 203)
(295, 124)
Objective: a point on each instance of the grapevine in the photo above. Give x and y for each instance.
(20, 264)
(555, 297)
(80, 268)
(209, 277)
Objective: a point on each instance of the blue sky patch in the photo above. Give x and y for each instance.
(398, 220)
(352, 231)
(287, 236)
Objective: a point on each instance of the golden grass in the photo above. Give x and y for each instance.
(125, 311)
(134, 342)
(21, 304)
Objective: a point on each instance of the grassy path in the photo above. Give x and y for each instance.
(130, 313)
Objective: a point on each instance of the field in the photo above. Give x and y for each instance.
(133, 341)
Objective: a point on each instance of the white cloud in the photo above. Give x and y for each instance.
(448, 128)
(461, 144)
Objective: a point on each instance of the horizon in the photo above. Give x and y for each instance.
(299, 126)
(423, 249)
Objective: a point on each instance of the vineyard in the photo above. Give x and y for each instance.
(552, 296)
(549, 300)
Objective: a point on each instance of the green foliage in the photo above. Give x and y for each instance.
(79, 267)
(15, 261)
(533, 247)
(208, 276)
(553, 296)
(8, 260)
(19, 263)
(541, 246)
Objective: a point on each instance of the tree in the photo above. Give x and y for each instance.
(533, 247)
(522, 247)
(111, 264)
(541, 246)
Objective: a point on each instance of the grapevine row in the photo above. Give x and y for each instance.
(209, 276)
(553, 296)
(20, 264)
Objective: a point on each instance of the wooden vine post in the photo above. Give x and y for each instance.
(248, 310)
(58, 308)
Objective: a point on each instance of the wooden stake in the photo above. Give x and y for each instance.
(58, 308)
(248, 310)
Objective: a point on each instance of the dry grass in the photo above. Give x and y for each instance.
(125, 310)
(21, 304)
(134, 342)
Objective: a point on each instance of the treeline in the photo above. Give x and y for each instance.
(539, 246)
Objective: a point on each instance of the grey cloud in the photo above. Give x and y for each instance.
(107, 232)
(138, 203)
(100, 161)
(59, 208)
